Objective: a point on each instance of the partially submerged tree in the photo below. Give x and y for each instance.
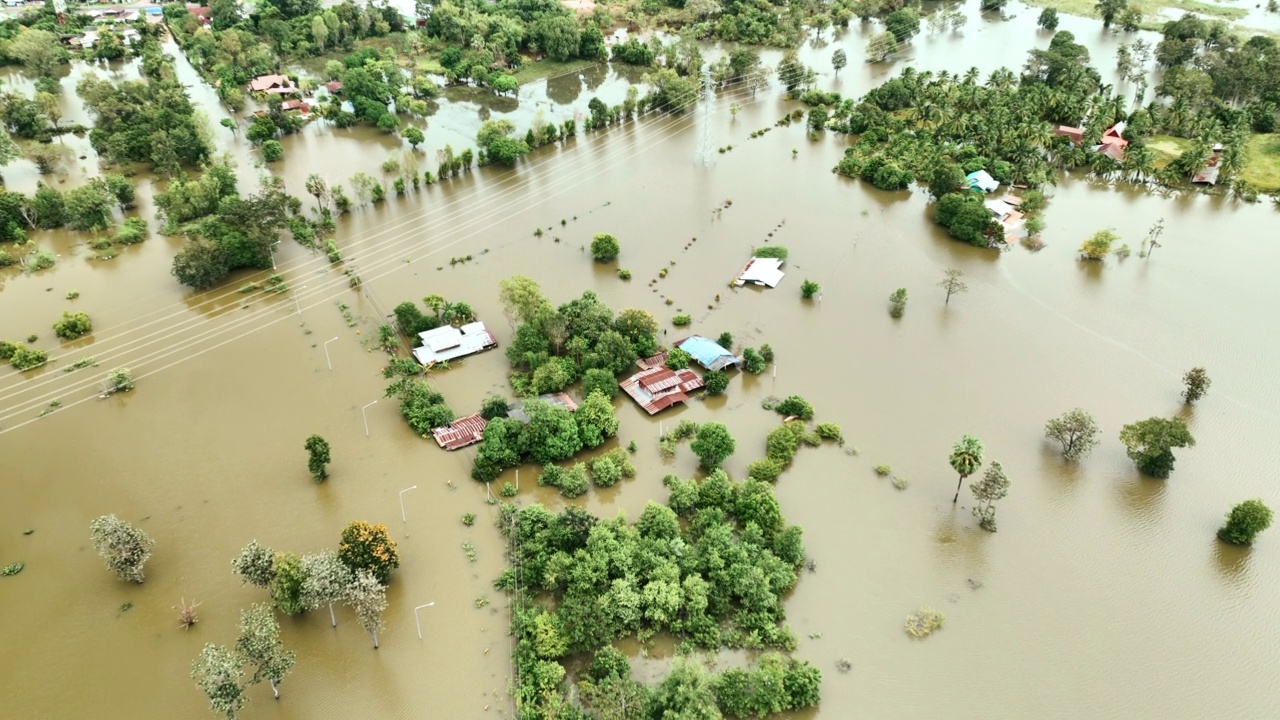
(1076, 430)
(317, 457)
(1197, 384)
(218, 672)
(368, 597)
(966, 458)
(325, 581)
(286, 586)
(365, 546)
(123, 547)
(1098, 245)
(712, 445)
(1150, 443)
(256, 564)
(1244, 522)
(259, 644)
(952, 283)
(604, 247)
(993, 486)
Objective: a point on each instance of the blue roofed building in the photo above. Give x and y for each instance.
(981, 180)
(708, 353)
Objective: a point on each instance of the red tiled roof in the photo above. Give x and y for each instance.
(461, 432)
(295, 105)
(334, 86)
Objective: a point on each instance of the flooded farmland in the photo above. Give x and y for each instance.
(1103, 595)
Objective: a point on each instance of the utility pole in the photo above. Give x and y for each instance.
(708, 103)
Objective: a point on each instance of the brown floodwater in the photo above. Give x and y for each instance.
(1103, 595)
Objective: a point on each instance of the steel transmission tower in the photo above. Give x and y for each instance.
(708, 106)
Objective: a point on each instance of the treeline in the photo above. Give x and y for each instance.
(224, 231)
(88, 207)
(554, 347)
(149, 121)
(712, 572)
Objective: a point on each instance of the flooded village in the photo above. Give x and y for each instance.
(614, 389)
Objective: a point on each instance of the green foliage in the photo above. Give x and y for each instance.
(776, 684)
(219, 673)
(681, 320)
(272, 151)
(713, 444)
(1196, 382)
(809, 288)
(422, 407)
(752, 361)
(468, 519)
(1150, 443)
(604, 247)
(782, 443)
(966, 456)
(599, 380)
(1245, 521)
(507, 490)
(765, 470)
(770, 251)
(494, 406)
(365, 546)
(829, 431)
(132, 231)
(1098, 245)
(993, 486)
(120, 380)
(317, 457)
(966, 218)
(255, 564)
(259, 644)
(1076, 431)
(25, 358)
(898, 302)
(595, 420)
(883, 470)
(73, 325)
(923, 622)
(124, 548)
(677, 359)
(795, 406)
(716, 382)
(286, 584)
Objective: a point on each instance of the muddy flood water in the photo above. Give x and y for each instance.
(1103, 595)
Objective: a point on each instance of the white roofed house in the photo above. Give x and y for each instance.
(449, 343)
(761, 271)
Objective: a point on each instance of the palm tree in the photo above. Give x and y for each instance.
(316, 186)
(966, 458)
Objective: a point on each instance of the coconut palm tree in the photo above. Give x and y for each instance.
(966, 458)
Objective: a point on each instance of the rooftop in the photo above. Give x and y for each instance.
(658, 359)
(448, 342)
(657, 389)
(516, 411)
(460, 433)
(267, 83)
(761, 271)
(981, 180)
(707, 353)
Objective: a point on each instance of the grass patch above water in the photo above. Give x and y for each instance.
(1150, 9)
(1262, 162)
(550, 68)
(1167, 148)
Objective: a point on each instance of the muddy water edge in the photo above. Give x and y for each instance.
(1103, 595)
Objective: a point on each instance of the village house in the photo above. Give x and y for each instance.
(298, 105)
(449, 343)
(1113, 143)
(202, 13)
(272, 85)
(708, 353)
(516, 411)
(1208, 175)
(761, 271)
(460, 433)
(658, 388)
(981, 181)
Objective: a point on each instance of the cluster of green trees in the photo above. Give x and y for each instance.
(298, 583)
(149, 121)
(605, 470)
(710, 568)
(21, 357)
(413, 321)
(32, 39)
(422, 406)
(238, 48)
(552, 433)
(224, 231)
(90, 206)
(553, 348)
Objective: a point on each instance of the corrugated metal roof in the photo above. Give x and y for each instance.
(707, 353)
(461, 432)
(761, 271)
(670, 389)
(448, 342)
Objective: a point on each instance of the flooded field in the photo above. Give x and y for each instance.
(1103, 595)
